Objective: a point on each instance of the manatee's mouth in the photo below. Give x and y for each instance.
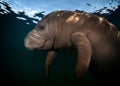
(34, 43)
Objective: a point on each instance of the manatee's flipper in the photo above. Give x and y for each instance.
(49, 60)
(82, 44)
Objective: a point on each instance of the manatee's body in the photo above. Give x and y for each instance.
(96, 40)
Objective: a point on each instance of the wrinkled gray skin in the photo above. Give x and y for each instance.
(96, 40)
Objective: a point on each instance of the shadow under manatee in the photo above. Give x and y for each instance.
(63, 72)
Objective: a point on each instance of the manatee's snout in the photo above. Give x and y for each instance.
(34, 41)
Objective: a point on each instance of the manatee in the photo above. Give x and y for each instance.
(95, 40)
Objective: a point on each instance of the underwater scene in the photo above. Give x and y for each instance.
(23, 67)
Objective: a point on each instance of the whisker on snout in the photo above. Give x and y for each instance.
(37, 35)
(33, 37)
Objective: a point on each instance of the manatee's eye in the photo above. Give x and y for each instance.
(41, 27)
